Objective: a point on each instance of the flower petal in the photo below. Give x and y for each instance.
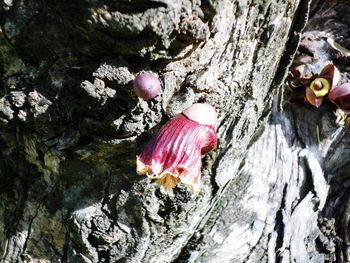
(340, 96)
(312, 98)
(175, 154)
(331, 73)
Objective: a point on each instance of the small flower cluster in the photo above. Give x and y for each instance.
(321, 86)
(174, 155)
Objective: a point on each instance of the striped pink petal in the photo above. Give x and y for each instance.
(175, 154)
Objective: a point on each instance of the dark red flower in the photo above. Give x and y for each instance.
(321, 85)
(175, 154)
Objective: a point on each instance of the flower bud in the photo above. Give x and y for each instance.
(146, 85)
(202, 113)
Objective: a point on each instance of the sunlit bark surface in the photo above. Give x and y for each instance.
(70, 129)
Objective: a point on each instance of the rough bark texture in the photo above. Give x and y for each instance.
(71, 127)
(290, 200)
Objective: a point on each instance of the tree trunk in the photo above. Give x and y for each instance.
(71, 128)
(290, 200)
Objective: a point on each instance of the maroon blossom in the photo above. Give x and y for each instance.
(175, 153)
(322, 84)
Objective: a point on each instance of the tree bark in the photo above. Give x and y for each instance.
(289, 202)
(71, 127)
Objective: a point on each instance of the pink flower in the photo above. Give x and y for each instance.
(175, 154)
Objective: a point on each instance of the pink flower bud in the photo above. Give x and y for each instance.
(202, 113)
(146, 85)
(340, 96)
(175, 154)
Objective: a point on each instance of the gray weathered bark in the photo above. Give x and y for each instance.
(290, 200)
(71, 127)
